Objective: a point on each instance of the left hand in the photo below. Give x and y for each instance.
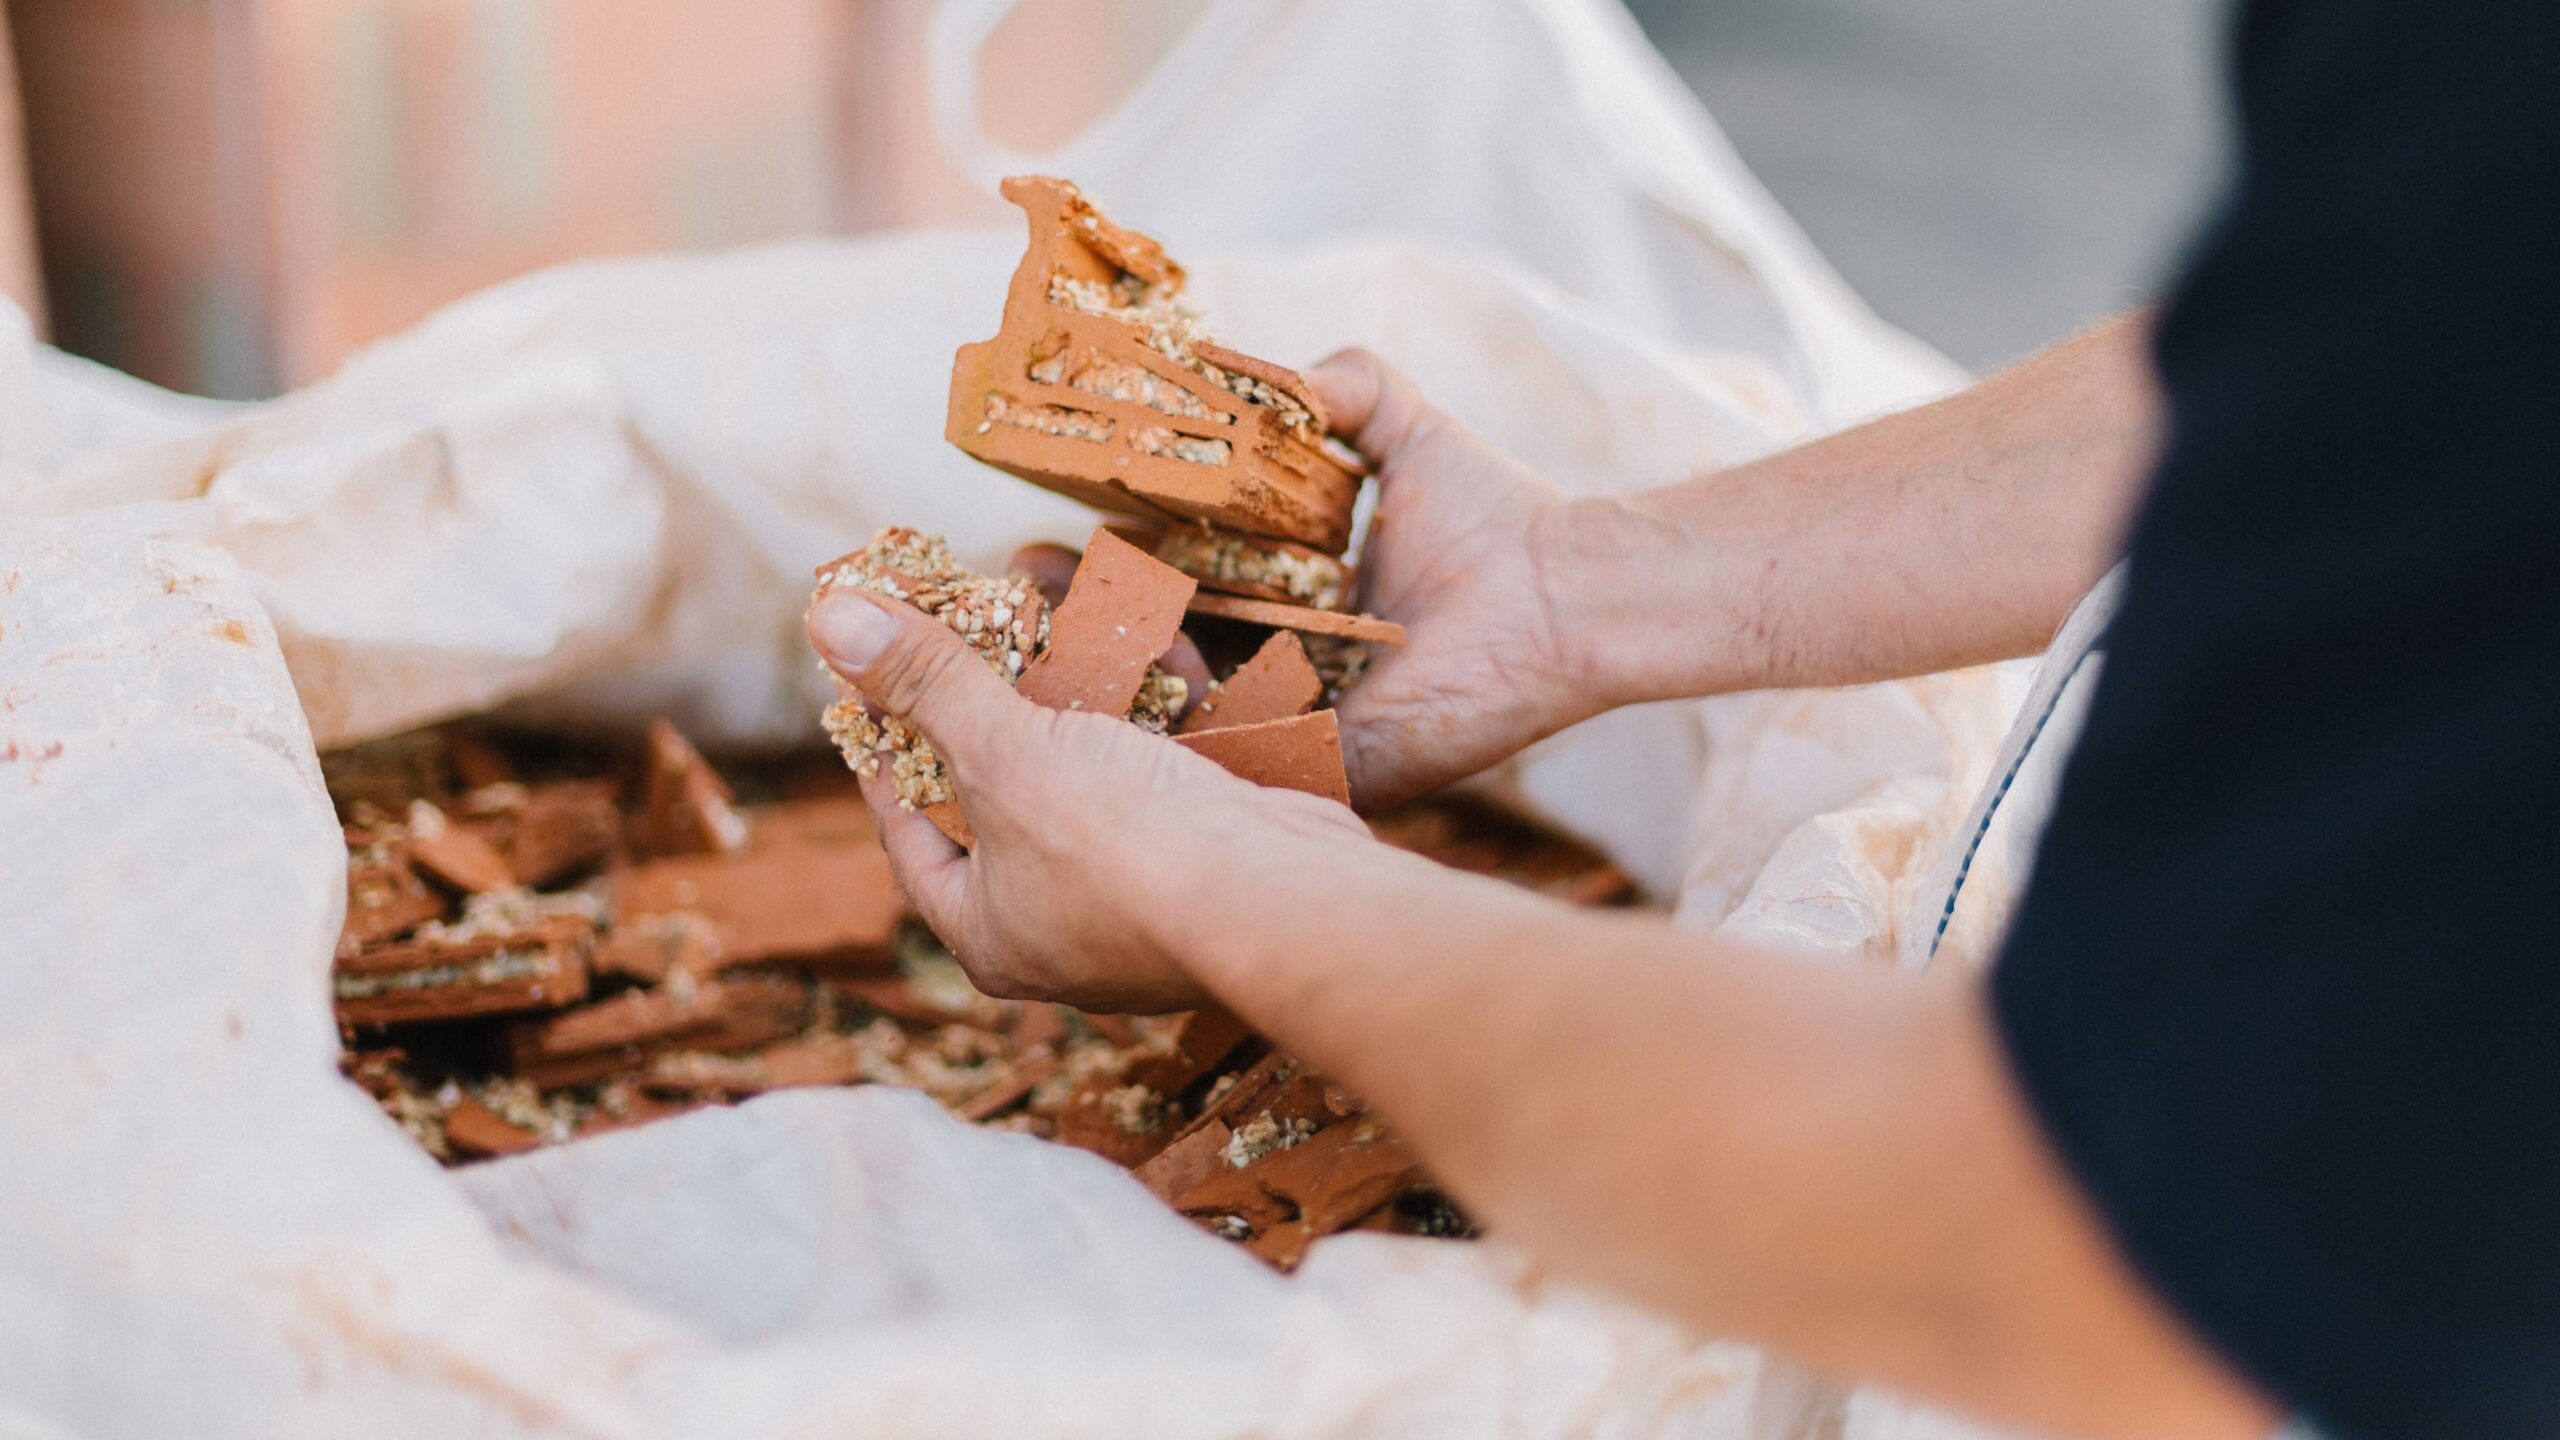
(1104, 854)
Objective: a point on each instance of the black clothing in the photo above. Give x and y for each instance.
(2286, 988)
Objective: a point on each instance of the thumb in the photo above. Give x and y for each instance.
(911, 665)
(1373, 405)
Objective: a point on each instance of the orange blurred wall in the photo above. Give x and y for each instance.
(18, 276)
(234, 193)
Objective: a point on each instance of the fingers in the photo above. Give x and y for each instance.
(1373, 405)
(909, 664)
(931, 869)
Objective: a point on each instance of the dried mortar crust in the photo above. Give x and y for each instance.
(1003, 619)
(1099, 385)
(1260, 569)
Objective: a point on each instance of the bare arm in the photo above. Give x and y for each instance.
(1952, 534)
(1827, 1158)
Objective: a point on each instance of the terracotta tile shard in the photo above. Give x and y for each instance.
(946, 817)
(1367, 629)
(1128, 1114)
(456, 854)
(559, 830)
(1009, 1089)
(1191, 1050)
(1327, 1183)
(1100, 387)
(1186, 1162)
(1124, 609)
(1276, 684)
(781, 901)
(474, 1129)
(902, 999)
(650, 948)
(639, 1017)
(686, 808)
(542, 968)
(385, 897)
(1256, 567)
(1304, 753)
(756, 1010)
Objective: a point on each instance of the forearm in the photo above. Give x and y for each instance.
(1957, 533)
(1820, 1156)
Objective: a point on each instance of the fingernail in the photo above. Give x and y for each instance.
(852, 630)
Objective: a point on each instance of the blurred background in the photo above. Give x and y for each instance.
(226, 196)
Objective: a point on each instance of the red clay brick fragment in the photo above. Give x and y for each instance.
(474, 1129)
(686, 808)
(1276, 684)
(560, 829)
(456, 854)
(385, 897)
(1124, 610)
(1302, 753)
(542, 968)
(782, 901)
(1368, 628)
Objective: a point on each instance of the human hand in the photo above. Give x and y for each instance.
(1104, 854)
(1459, 553)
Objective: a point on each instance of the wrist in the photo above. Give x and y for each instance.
(1637, 604)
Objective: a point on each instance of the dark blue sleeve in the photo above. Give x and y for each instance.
(2286, 989)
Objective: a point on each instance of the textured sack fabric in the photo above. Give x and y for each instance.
(595, 495)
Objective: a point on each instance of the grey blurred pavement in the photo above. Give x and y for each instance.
(1986, 172)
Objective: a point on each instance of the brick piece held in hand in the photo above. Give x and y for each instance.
(385, 897)
(1366, 628)
(541, 968)
(1303, 753)
(1124, 609)
(1100, 387)
(457, 854)
(685, 807)
(1276, 684)
(475, 1130)
(954, 825)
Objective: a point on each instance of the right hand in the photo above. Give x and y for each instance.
(1459, 554)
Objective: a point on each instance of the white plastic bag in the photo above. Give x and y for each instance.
(593, 496)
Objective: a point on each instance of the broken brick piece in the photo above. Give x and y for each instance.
(1128, 1114)
(541, 968)
(946, 817)
(1197, 1155)
(1123, 610)
(1100, 387)
(1188, 1051)
(784, 900)
(1276, 684)
(1368, 629)
(1328, 1182)
(1010, 1089)
(650, 948)
(560, 829)
(1255, 567)
(755, 1010)
(474, 1129)
(635, 1018)
(1301, 753)
(900, 998)
(685, 807)
(459, 855)
(385, 897)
